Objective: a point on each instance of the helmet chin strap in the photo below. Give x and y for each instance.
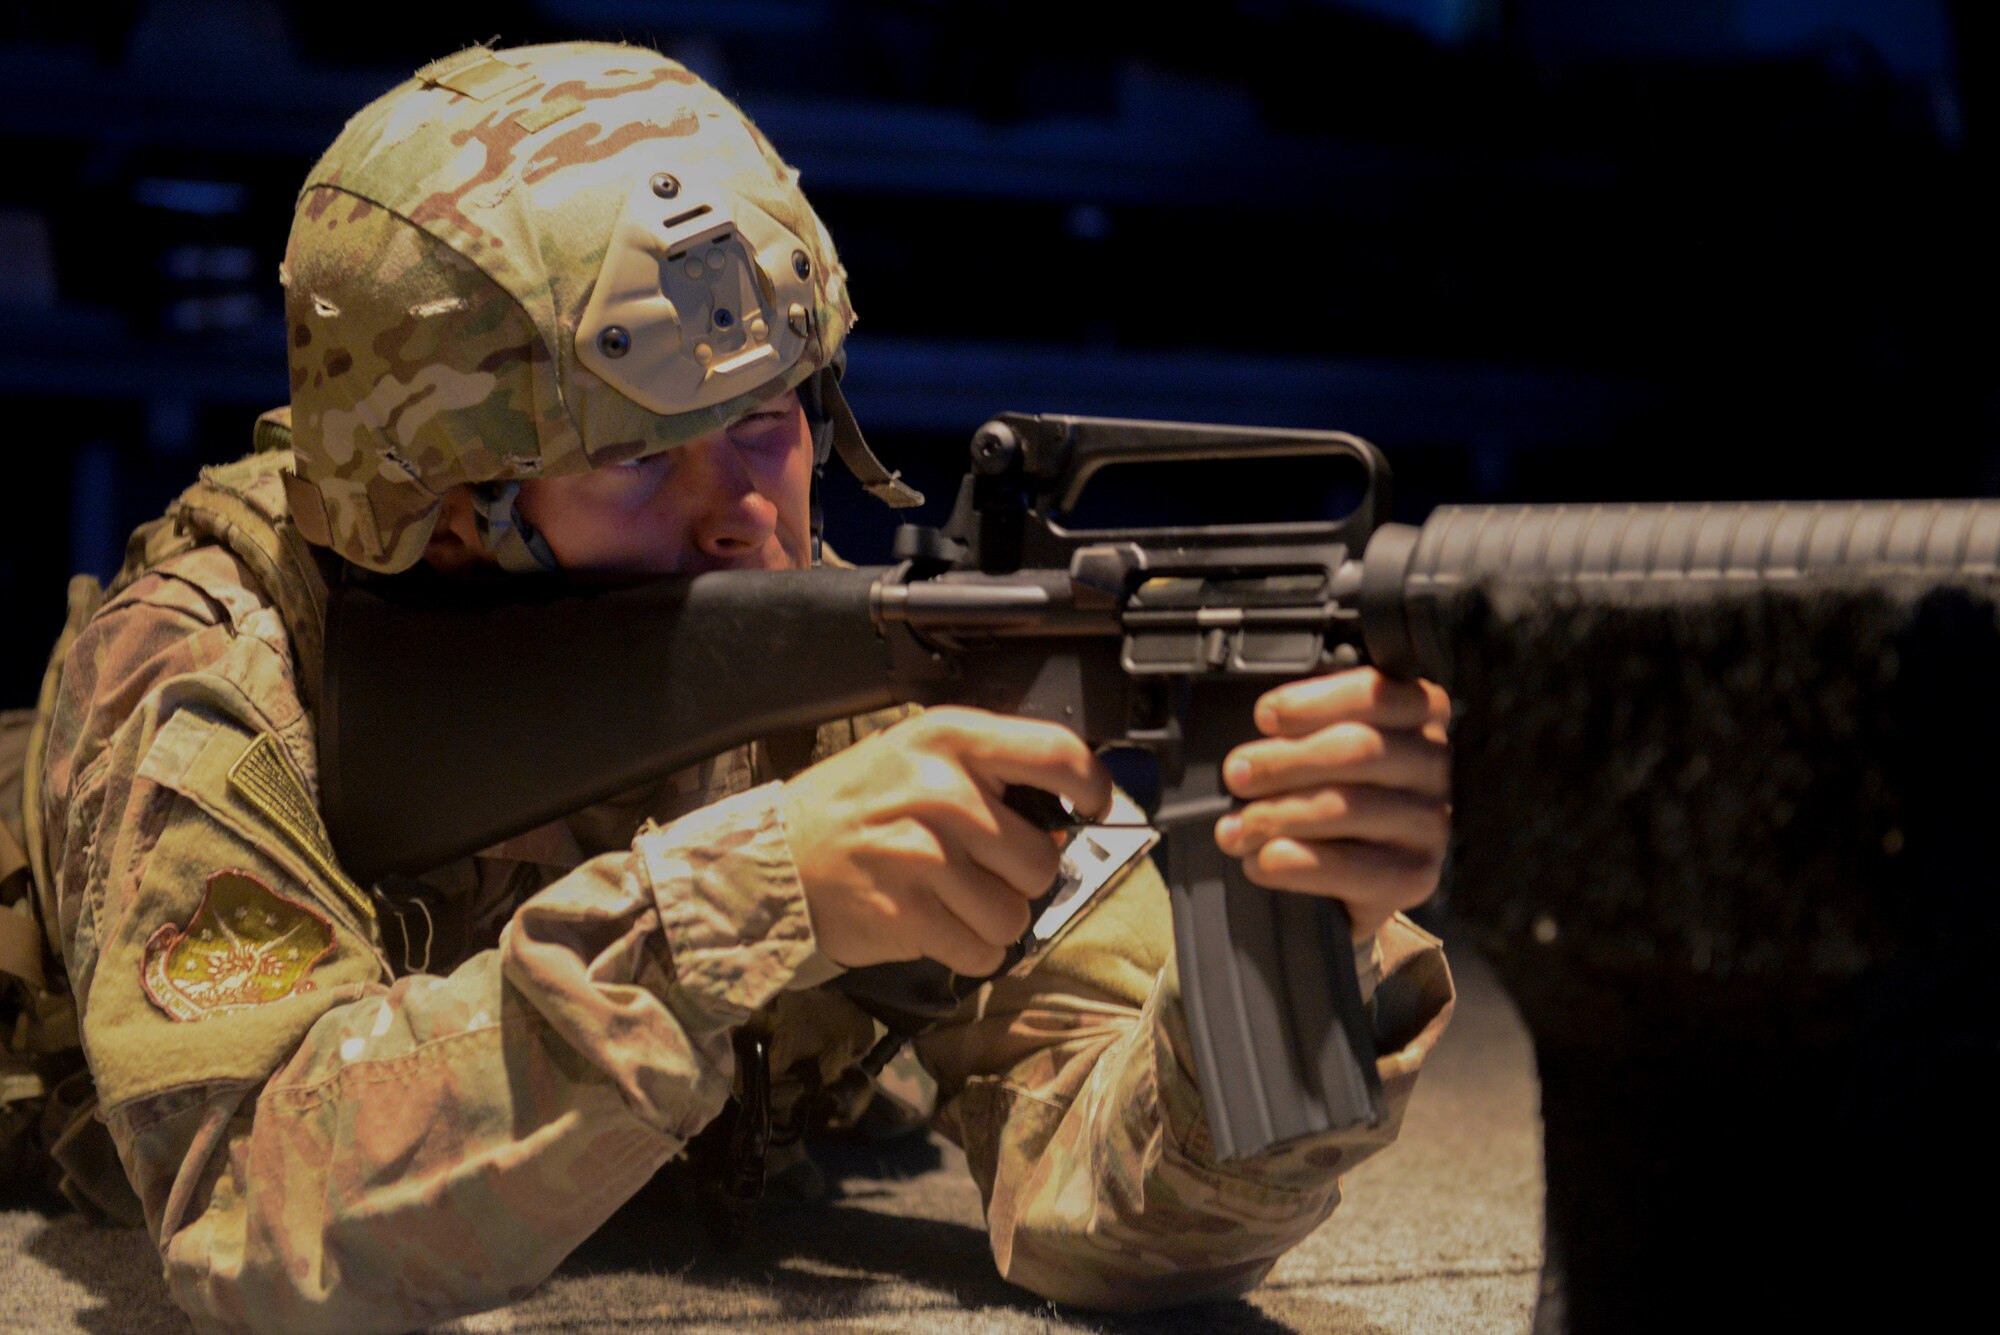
(506, 534)
(818, 516)
(820, 423)
(835, 430)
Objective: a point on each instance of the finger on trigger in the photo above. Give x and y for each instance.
(1041, 755)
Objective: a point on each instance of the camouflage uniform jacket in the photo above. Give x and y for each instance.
(324, 1137)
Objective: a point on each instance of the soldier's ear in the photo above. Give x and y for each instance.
(454, 547)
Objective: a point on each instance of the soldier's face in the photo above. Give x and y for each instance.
(735, 500)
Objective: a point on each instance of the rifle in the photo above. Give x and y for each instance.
(1159, 639)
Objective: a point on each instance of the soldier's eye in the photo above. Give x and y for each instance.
(639, 476)
(758, 429)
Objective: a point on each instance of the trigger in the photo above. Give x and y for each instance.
(1043, 808)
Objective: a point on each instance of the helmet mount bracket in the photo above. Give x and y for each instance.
(689, 307)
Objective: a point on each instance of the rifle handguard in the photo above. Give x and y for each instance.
(1414, 581)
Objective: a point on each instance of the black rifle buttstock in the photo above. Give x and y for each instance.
(454, 721)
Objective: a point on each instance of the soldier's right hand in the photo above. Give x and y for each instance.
(905, 849)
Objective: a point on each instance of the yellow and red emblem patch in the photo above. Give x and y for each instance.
(245, 946)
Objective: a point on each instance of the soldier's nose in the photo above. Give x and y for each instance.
(731, 518)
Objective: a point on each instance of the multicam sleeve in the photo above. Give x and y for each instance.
(316, 1146)
(1072, 1092)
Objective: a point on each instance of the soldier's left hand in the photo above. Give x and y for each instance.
(1349, 793)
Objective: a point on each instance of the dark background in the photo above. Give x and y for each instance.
(1536, 249)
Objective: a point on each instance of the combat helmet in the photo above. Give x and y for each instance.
(535, 262)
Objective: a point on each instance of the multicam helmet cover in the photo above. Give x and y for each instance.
(531, 263)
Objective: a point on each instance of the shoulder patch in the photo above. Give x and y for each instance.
(263, 777)
(246, 945)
